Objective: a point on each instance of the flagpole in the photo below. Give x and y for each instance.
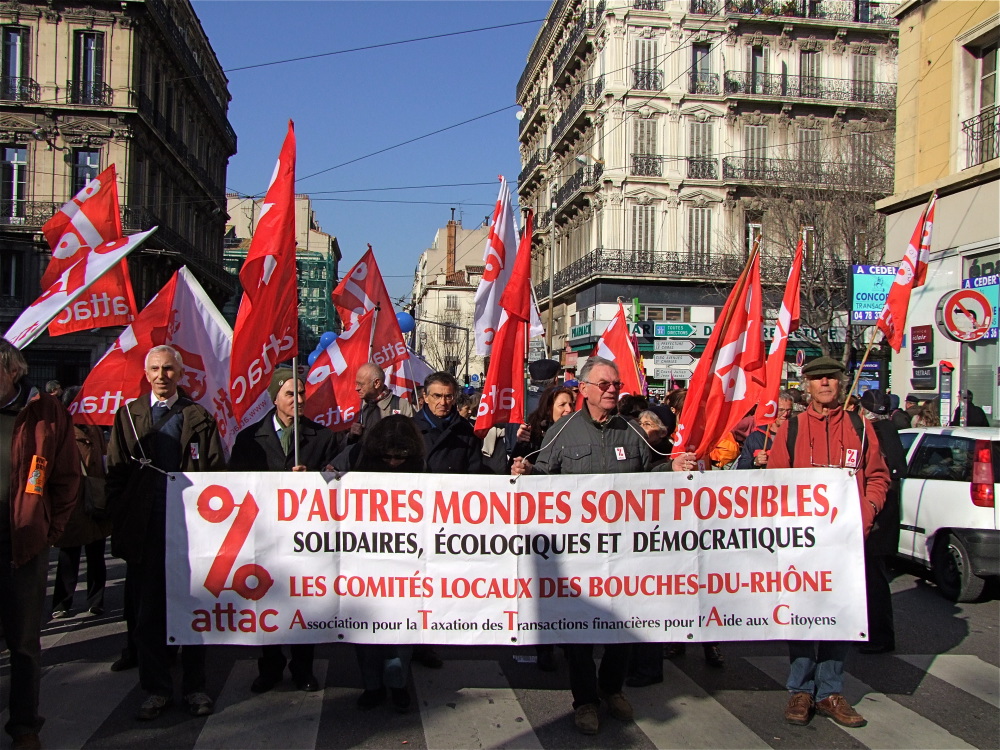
(295, 409)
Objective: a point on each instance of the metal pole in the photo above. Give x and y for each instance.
(467, 381)
(295, 410)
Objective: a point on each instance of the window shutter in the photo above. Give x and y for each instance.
(99, 58)
(701, 140)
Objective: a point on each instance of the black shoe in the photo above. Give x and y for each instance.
(427, 656)
(673, 650)
(97, 609)
(263, 683)
(371, 698)
(124, 662)
(308, 684)
(400, 699)
(713, 655)
(643, 680)
(877, 648)
(547, 661)
(60, 614)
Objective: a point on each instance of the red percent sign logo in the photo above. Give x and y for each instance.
(236, 537)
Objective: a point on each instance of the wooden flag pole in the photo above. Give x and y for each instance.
(295, 411)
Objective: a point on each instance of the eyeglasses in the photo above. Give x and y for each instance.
(786, 412)
(605, 385)
(440, 396)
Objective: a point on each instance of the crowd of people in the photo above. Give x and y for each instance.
(51, 474)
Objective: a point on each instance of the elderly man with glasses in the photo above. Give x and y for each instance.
(596, 440)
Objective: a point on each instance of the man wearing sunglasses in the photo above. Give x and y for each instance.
(826, 435)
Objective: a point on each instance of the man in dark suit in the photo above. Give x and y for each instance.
(269, 445)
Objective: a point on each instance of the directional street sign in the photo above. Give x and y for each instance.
(681, 374)
(672, 359)
(674, 329)
(678, 345)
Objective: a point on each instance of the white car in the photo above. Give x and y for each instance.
(949, 517)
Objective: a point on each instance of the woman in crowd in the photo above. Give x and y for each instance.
(656, 433)
(928, 415)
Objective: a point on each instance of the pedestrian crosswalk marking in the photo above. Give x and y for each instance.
(67, 688)
(891, 725)
(469, 704)
(964, 671)
(282, 719)
(678, 713)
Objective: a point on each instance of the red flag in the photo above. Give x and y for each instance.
(911, 274)
(503, 391)
(90, 219)
(788, 321)
(616, 345)
(361, 290)
(403, 378)
(330, 396)
(727, 380)
(267, 324)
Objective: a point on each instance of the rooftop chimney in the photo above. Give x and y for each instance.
(452, 239)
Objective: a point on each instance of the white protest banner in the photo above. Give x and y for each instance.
(257, 558)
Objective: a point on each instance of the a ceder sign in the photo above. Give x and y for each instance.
(256, 558)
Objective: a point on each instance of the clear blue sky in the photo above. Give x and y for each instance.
(350, 105)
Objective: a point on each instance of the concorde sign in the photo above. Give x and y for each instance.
(673, 359)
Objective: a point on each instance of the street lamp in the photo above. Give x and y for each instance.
(456, 327)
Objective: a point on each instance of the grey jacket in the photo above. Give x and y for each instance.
(577, 445)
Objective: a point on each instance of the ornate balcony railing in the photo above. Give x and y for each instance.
(647, 165)
(94, 93)
(810, 87)
(647, 4)
(588, 93)
(543, 220)
(583, 177)
(856, 11)
(541, 156)
(703, 169)
(646, 79)
(703, 83)
(542, 289)
(28, 214)
(529, 111)
(982, 136)
(541, 45)
(19, 89)
(872, 177)
(705, 7)
(587, 20)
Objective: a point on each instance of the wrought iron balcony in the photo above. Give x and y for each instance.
(94, 93)
(647, 165)
(530, 110)
(705, 7)
(703, 83)
(543, 220)
(703, 169)
(587, 20)
(810, 87)
(587, 94)
(982, 136)
(647, 4)
(541, 156)
(19, 89)
(542, 289)
(583, 177)
(855, 11)
(27, 214)
(875, 178)
(646, 79)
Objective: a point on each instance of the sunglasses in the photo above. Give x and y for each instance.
(605, 385)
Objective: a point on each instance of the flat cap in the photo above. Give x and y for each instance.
(543, 369)
(911, 399)
(278, 379)
(875, 401)
(822, 366)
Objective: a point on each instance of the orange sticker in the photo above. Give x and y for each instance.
(36, 477)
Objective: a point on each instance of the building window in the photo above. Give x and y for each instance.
(449, 334)
(863, 77)
(15, 85)
(451, 302)
(13, 184)
(987, 77)
(666, 313)
(10, 281)
(702, 81)
(701, 164)
(755, 146)
(982, 131)
(646, 74)
(86, 166)
(757, 68)
(754, 229)
(809, 74)
(645, 160)
(643, 228)
(700, 233)
(87, 86)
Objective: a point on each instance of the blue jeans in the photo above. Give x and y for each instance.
(817, 667)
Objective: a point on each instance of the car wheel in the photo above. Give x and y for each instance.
(953, 570)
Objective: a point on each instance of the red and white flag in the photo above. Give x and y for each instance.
(330, 396)
(729, 374)
(181, 315)
(911, 274)
(503, 391)
(500, 244)
(90, 219)
(788, 321)
(70, 285)
(616, 344)
(403, 378)
(267, 325)
(362, 290)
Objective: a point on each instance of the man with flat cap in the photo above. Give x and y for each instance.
(268, 445)
(825, 435)
(542, 374)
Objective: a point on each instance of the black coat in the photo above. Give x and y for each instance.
(257, 448)
(884, 536)
(453, 449)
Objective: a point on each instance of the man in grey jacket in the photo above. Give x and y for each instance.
(596, 440)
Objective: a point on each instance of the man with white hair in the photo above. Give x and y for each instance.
(156, 434)
(377, 400)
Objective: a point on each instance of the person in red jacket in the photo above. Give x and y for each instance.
(826, 435)
(39, 479)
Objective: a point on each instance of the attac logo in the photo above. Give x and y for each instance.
(225, 559)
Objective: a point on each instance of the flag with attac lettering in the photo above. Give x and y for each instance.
(331, 398)
(267, 324)
(912, 273)
(89, 220)
(616, 344)
(730, 373)
(403, 378)
(788, 321)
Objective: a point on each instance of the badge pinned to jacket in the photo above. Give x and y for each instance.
(620, 453)
(195, 453)
(36, 476)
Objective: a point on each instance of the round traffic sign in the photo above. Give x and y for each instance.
(965, 315)
(800, 357)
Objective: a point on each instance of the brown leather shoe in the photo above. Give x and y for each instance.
(837, 708)
(799, 709)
